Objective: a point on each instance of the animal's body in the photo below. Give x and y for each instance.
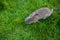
(41, 13)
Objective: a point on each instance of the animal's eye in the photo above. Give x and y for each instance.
(36, 14)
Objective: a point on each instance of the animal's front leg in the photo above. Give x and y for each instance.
(44, 17)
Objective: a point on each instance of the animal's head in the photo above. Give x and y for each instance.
(30, 19)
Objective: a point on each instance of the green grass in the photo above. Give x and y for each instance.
(14, 12)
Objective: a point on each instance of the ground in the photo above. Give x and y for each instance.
(14, 12)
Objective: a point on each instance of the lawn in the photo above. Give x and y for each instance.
(14, 12)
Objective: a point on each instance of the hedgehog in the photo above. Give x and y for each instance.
(38, 14)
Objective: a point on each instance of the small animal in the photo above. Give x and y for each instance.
(38, 14)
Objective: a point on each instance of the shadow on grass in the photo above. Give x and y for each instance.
(2, 7)
(58, 24)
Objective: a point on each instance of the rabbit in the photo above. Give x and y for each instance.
(38, 14)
